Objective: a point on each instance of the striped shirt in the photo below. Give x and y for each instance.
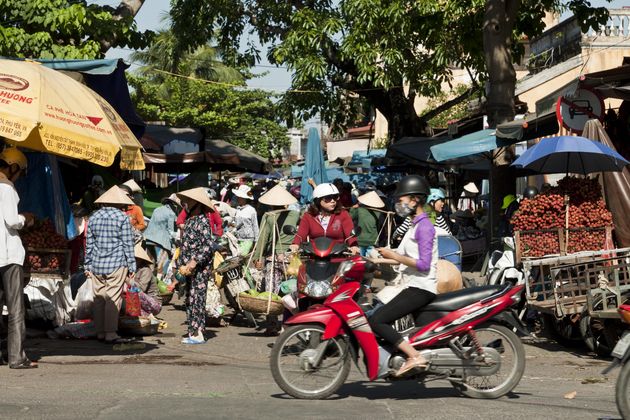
(440, 222)
(109, 242)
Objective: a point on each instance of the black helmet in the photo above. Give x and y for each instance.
(530, 192)
(412, 184)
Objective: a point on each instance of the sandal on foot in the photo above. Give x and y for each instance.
(27, 364)
(191, 340)
(417, 362)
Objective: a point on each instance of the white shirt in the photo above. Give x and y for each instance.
(410, 276)
(246, 221)
(11, 249)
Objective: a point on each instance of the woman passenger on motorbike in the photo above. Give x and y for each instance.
(417, 256)
(326, 217)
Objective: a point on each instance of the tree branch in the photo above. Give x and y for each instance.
(126, 8)
(447, 105)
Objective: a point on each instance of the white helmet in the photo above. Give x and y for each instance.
(323, 190)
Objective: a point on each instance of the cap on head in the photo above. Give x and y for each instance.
(413, 185)
(324, 190)
(435, 195)
(12, 156)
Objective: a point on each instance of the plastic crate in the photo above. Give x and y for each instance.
(54, 262)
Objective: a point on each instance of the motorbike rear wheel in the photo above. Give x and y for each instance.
(510, 372)
(293, 371)
(622, 391)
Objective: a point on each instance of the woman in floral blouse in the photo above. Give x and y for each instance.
(195, 262)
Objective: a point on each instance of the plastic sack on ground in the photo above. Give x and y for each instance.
(85, 300)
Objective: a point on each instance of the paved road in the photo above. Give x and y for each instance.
(228, 377)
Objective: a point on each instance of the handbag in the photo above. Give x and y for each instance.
(132, 302)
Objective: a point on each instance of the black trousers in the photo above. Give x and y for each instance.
(408, 301)
(12, 290)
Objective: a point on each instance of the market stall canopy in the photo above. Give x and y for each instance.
(107, 78)
(47, 111)
(485, 141)
(187, 162)
(415, 148)
(530, 127)
(157, 136)
(248, 161)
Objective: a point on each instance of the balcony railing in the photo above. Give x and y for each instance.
(566, 40)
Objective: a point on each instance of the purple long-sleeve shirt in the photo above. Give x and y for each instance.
(424, 236)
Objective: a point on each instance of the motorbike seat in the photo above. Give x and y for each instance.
(451, 301)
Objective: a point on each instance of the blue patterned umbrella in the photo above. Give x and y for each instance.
(570, 155)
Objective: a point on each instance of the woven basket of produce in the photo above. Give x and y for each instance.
(260, 304)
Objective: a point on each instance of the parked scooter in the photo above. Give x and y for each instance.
(460, 334)
(621, 357)
(502, 265)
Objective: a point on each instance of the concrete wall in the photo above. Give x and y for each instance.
(345, 148)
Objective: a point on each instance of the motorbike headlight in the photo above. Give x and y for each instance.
(318, 289)
(344, 267)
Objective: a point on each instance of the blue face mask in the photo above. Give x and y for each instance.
(403, 209)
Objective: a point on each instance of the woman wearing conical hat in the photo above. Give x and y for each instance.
(195, 262)
(271, 226)
(366, 216)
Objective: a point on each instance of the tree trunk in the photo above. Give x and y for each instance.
(499, 22)
(398, 109)
(126, 8)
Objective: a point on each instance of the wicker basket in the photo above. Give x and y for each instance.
(259, 305)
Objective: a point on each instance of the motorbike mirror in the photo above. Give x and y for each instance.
(289, 230)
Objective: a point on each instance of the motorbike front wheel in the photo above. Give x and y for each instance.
(622, 391)
(295, 367)
(509, 374)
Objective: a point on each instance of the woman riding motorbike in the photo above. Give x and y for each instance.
(418, 257)
(326, 217)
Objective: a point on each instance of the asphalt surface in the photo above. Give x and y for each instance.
(229, 377)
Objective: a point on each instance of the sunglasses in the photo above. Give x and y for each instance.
(330, 198)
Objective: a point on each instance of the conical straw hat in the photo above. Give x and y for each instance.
(471, 188)
(277, 196)
(198, 194)
(371, 199)
(141, 254)
(114, 195)
(133, 185)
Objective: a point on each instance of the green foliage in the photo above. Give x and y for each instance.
(246, 118)
(204, 62)
(368, 48)
(63, 29)
(454, 113)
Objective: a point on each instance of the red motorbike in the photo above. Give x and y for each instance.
(325, 268)
(463, 336)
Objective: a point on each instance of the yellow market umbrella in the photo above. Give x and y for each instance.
(43, 109)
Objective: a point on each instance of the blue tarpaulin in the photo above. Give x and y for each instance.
(364, 158)
(42, 193)
(481, 141)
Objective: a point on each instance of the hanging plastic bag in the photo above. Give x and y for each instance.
(294, 265)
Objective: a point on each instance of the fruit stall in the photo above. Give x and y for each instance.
(575, 276)
(46, 272)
